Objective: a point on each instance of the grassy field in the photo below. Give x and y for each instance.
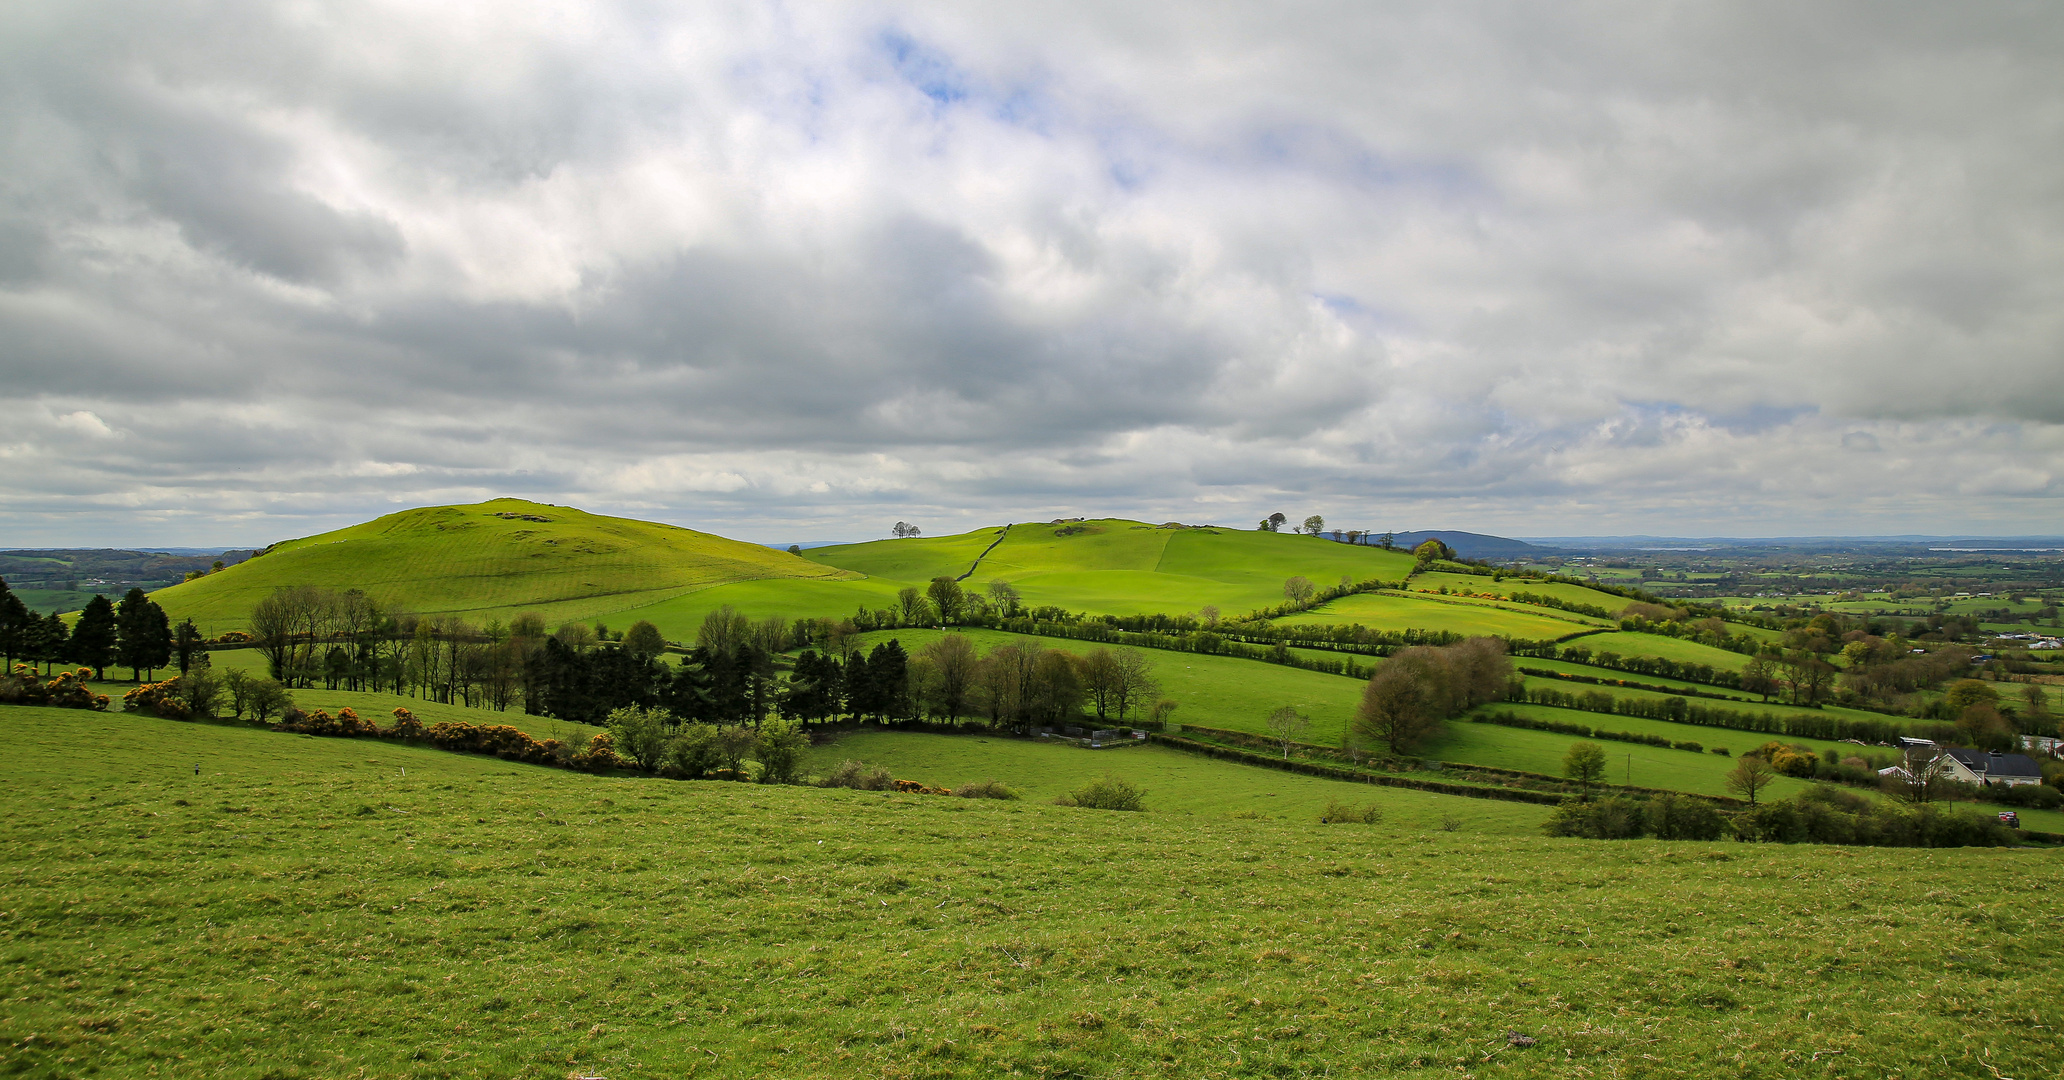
(303, 909)
(1174, 782)
(1120, 567)
(1212, 691)
(1388, 611)
(1473, 584)
(1667, 648)
(486, 561)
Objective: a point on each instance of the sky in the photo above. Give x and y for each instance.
(799, 271)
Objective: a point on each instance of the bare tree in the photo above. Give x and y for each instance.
(1923, 775)
(1099, 671)
(1136, 686)
(1299, 589)
(1003, 596)
(1288, 726)
(1394, 709)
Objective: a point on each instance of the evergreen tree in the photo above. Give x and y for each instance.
(186, 644)
(157, 637)
(54, 643)
(888, 677)
(132, 633)
(859, 687)
(15, 621)
(93, 638)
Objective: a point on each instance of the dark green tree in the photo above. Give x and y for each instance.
(187, 643)
(93, 638)
(157, 637)
(15, 622)
(53, 642)
(132, 632)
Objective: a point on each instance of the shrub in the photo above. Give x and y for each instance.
(158, 699)
(692, 753)
(65, 690)
(1721, 750)
(1678, 817)
(780, 752)
(858, 776)
(987, 789)
(2034, 796)
(1340, 813)
(1613, 818)
(1105, 793)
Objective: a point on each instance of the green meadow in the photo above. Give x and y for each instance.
(1626, 643)
(328, 908)
(1434, 580)
(1210, 691)
(1393, 612)
(1175, 783)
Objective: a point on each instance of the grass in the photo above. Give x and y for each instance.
(1119, 567)
(467, 560)
(1212, 691)
(1175, 782)
(1679, 650)
(1387, 611)
(1471, 583)
(302, 909)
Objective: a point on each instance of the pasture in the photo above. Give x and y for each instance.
(1175, 782)
(1393, 612)
(1626, 643)
(304, 909)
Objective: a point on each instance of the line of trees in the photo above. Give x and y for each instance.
(136, 634)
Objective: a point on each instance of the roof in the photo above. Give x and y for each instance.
(1993, 764)
(2012, 765)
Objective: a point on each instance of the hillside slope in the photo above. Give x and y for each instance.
(492, 559)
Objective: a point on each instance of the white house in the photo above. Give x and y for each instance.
(1983, 769)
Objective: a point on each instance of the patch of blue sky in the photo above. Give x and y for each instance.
(929, 70)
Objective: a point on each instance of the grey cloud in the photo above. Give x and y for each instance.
(1543, 267)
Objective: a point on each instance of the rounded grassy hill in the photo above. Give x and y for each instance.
(493, 559)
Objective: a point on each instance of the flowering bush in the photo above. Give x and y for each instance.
(65, 690)
(158, 699)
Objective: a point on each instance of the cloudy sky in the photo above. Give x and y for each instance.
(795, 271)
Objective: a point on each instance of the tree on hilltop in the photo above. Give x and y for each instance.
(1314, 525)
(1272, 523)
(905, 530)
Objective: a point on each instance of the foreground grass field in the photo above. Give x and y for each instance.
(303, 909)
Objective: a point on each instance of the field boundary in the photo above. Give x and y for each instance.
(977, 564)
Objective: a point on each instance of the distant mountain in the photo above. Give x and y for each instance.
(1469, 545)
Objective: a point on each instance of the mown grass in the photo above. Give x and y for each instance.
(467, 560)
(1175, 782)
(302, 909)
(1391, 612)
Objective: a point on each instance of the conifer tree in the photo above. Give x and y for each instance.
(93, 638)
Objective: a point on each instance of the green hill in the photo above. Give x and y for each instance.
(493, 559)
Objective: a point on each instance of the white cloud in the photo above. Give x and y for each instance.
(768, 269)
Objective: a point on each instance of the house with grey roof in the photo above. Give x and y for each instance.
(1985, 768)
